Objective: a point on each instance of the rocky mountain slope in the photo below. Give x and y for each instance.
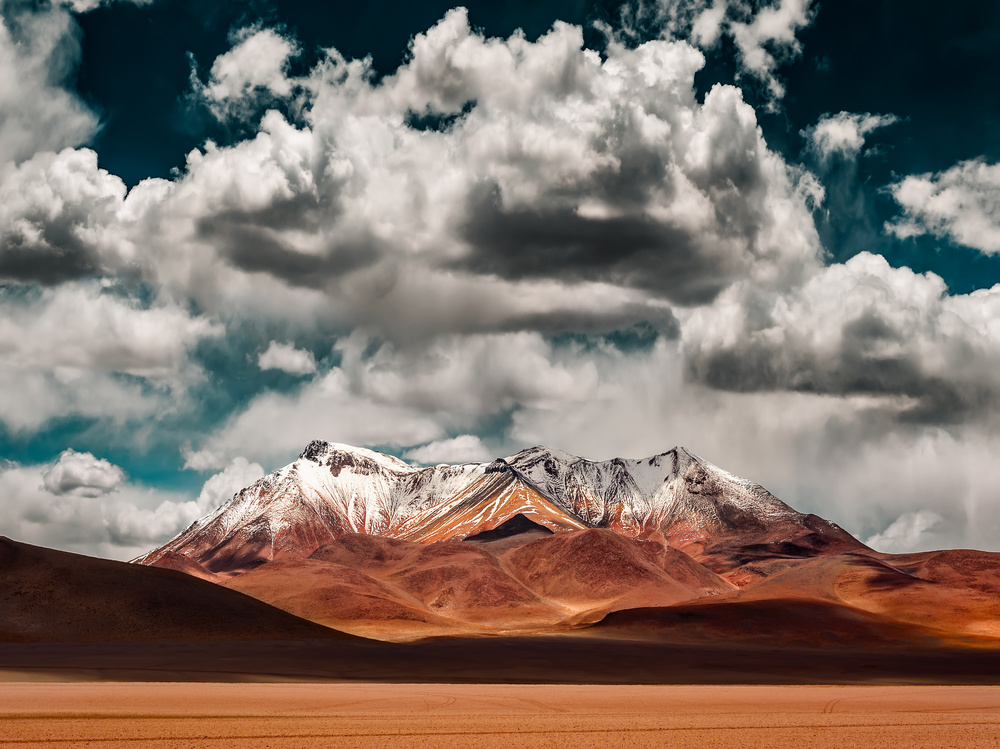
(332, 490)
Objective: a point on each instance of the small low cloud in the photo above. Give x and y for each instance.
(912, 531)
(844, 134)
(85, 504)
(221, 487)
(287, 358)
(253, 71)
(764, 35)
(466, 448)
(82, 475)
(961, 204)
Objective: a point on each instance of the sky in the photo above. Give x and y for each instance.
(768, 231)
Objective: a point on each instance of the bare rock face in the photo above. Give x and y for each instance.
(332, 490)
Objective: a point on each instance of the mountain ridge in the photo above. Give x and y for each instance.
(332, 489)
(668, 548)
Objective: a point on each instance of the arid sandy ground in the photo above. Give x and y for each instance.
(509, 716)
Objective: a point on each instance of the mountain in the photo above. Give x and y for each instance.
(619, 566)
(332, 490)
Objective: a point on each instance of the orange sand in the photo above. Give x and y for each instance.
(509, 716)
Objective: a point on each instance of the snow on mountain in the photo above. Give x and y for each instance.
(333, 489)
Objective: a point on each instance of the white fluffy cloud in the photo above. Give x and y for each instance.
(384, 395)
(66, 350)
(575, 178)
(255, 67)
(909, 532)
(768, 37)
(82, 475)
(545, 173)
(961, 204)
(82, 503)
(275, 427)
(844, 134)
(764, 34)
(287, 358)
(466, 448)
(221, 487)
(567, 171)
(84, 6)
(61, 218)
(858, 328)
(37, 52)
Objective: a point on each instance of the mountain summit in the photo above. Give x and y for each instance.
(332, 490)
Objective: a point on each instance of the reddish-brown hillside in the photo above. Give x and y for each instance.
(499, 582)
(777, 624)
(600, 569)
(340, 597)
(55, 596)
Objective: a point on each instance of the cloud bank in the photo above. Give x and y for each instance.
(511, 241)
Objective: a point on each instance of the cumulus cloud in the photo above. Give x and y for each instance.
(836, 456)
(90, 349)
(493, 193)
(60, 218)
(594, 399)
(844, 134)
(907, 533)
(84, 6)
(84, 504)
(547, 166)
(254, 70)
(82, 475)
(476, 236)
(275, 427)
(384, 395)
(466, 448)
(221, 487)
(557, 190)
(961, 204)
(38, 52)
(834, 147)
(858, 328)
(764, 34)
(287, 358)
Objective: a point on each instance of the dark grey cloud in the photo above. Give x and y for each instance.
(257, 241)
(559, 243)
(55, 257)
(627, 318)
(58, 218)
(857, 329)
(851, 370)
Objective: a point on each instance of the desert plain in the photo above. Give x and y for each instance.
(111, 715)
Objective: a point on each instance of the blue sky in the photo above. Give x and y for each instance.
(768, 231)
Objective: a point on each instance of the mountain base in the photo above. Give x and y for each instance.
(508, 660)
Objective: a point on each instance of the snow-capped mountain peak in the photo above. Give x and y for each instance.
(332, 489)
